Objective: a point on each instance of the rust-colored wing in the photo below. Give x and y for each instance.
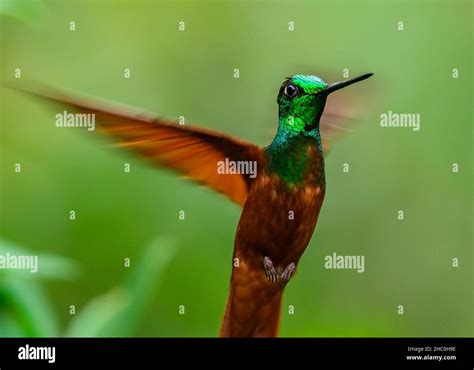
(196, 153)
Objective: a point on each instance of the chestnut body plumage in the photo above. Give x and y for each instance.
(277, 222)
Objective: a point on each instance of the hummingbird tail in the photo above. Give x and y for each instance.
(252, 310)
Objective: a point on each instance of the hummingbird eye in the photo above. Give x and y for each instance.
(290, 90)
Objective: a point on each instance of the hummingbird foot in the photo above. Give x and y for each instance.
(270, 271)
(287, 273)
(273, 276)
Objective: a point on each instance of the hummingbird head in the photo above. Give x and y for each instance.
(302, 99)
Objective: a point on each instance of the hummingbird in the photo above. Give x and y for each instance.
(280, 205)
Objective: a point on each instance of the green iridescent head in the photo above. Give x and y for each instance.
(301, 103)
(302, 99)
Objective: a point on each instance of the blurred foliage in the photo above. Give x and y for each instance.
(24, 307)
(28, 12)
(191, 74)
(25, 310)
(118, 312)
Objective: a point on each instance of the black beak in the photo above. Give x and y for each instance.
(339, 85)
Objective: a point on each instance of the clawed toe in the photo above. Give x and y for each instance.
(270, 271)
(288, 273)
(273, 276)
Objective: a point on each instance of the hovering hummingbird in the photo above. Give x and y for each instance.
(281, 203)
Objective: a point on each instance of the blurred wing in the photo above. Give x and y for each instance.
(333, 127)
(193, 152)
(338, 119)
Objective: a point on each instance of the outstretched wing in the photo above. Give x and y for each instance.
(196, 153)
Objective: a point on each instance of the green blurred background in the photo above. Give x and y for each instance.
(190, 73)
